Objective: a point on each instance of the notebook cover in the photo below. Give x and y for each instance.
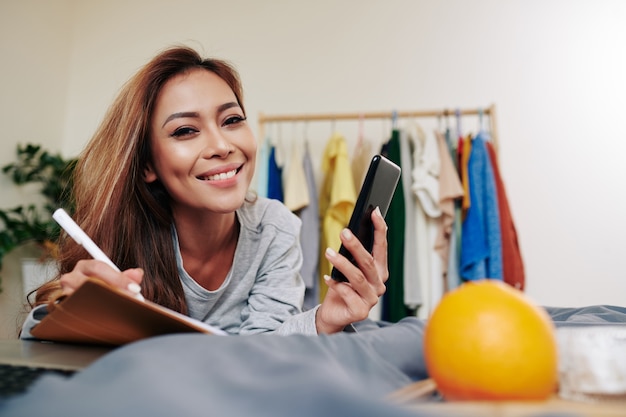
(97, 313)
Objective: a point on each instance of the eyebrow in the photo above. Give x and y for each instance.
(220, 109)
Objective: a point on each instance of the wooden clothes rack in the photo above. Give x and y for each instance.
(490, 112)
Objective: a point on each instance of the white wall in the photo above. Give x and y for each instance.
(555, 70)
(35, 45)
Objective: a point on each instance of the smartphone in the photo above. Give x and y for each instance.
(377, 190)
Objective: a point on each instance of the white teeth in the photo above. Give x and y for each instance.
(221, 176)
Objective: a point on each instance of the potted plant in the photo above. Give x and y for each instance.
(33, 222)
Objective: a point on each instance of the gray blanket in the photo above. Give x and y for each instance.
(347, 374)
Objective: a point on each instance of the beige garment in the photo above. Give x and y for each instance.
(296, 194)
(360, 162)
(450, 188)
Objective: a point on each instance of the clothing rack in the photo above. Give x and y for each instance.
(490, 112)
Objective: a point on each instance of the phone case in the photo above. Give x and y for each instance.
(377, 190)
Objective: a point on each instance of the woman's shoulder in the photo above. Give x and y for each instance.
(261, 212)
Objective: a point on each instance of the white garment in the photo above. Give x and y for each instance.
(412, 286)
(426, 174)
(425, 186)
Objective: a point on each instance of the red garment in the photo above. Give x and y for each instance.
(512, 264)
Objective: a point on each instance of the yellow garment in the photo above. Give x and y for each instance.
(337, 199)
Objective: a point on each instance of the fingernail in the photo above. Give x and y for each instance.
(326, 278)
(347, 234)
(378, 213)
(134, 288)
(330, 252)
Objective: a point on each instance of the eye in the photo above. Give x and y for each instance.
(183, 132)
(233, 120)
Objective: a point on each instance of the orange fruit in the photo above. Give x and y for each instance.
(486, 340)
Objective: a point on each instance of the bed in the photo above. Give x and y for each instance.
(351, 374)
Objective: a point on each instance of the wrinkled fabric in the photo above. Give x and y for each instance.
(336, 202)
(345, 374)
(481, 242)
(257, 375)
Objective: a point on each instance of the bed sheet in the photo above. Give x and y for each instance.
(347, 374)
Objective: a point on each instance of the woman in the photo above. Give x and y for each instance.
(163, 188)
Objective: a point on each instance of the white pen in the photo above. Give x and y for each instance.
(80, 237)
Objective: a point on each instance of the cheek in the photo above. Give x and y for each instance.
(250, 147)
(252, 163)
(252, 155)
(173, 159)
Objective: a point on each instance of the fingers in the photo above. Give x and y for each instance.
(372, 268)
(363, 280)
(341, 306)
(379, 250)
(359, 301)
(349, 302)
(128, 280)
(362, 257)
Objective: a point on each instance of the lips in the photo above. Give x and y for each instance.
(219, 176)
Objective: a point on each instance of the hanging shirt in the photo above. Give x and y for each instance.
(425, 187)
(393, 308)
(275, 182)
(360, 162)
(310, 236)
(337, 199)
(465, 148)
(296, 192)
(454, 257)
(450, 189)
(512, 264)
(412, 287)
(263, 168)
(481, 252)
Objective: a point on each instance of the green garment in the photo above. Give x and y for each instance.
(393, 308)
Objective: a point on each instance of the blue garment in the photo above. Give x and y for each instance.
(481, 242)
(274, 178)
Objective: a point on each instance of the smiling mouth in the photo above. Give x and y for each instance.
(220, 176)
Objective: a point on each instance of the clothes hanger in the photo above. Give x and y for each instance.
(457, 114)
(447, 131)
(305, 132)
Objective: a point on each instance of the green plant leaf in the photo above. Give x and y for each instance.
(30, 222)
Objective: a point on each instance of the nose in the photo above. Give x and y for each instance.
(216, 145)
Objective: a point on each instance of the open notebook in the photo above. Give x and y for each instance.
(97, 313)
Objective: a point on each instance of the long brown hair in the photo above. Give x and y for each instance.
(131, 220)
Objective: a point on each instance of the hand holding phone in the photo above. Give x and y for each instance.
(378, 188)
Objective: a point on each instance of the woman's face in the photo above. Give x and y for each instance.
(203, 150)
